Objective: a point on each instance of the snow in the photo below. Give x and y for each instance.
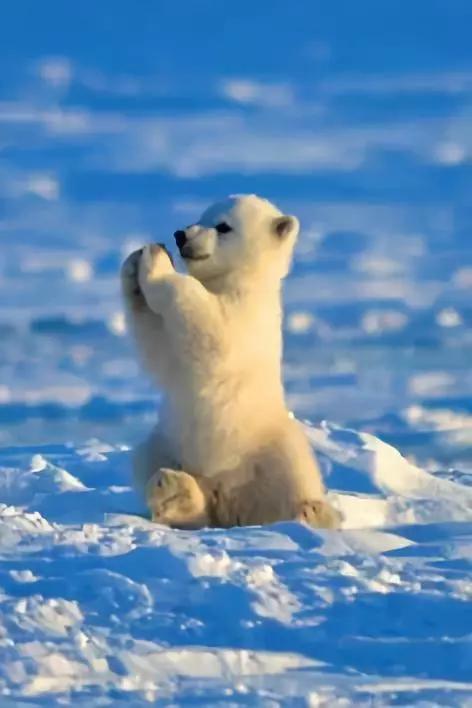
(100, 603)
(113, 137)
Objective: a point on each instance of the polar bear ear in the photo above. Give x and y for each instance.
(285, 226)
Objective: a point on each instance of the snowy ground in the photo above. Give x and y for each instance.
(115, 130)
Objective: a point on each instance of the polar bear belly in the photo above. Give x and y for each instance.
(214, 426)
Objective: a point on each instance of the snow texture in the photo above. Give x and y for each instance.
(98, 603)
(119, 126)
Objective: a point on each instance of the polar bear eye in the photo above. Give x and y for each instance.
(223, 228)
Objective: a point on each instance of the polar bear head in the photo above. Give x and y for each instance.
(239, 236)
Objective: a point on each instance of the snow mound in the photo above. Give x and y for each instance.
(399, 492)
(99, 603)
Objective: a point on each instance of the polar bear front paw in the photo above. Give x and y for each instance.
(176, 499)
(129, 276)
(155, 262)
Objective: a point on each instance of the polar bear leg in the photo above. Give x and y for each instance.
(146, 326)
(250, 505)
(190, 312)
(272, 489)
(176, 499)
(180, 500)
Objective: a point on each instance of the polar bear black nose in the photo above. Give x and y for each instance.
(180, 238)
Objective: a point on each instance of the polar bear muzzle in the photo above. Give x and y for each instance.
(195, 249)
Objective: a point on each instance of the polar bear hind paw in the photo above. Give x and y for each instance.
(176, 499)
(319, 514)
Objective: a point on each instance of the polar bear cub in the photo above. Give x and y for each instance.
(226, 451)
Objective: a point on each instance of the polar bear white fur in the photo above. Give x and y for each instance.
(226, 451)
